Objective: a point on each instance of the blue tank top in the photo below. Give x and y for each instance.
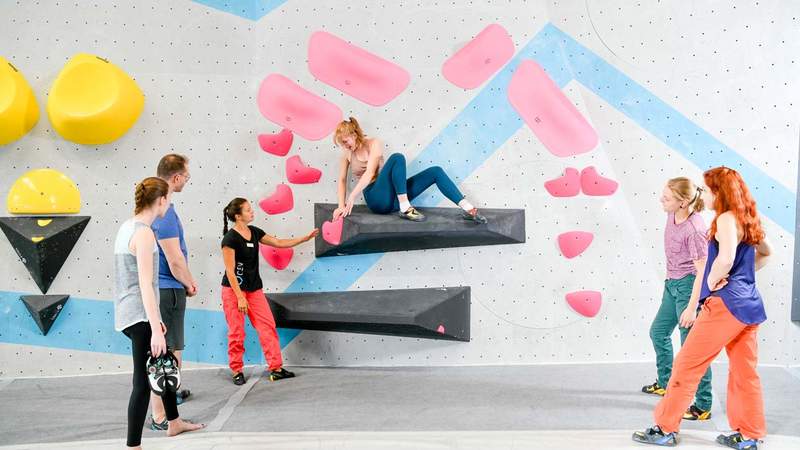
(740, 294)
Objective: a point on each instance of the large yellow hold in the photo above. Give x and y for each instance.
(93, 101)
(18, 109)
(44, 191)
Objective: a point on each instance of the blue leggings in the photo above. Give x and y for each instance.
(381, 195)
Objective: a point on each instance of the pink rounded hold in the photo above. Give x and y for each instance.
(278, 258)
(299, 173)
(585, 303)
(277, 144)
(279, 202)
(573, 243)
(332, 231)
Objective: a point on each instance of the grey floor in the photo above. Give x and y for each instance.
(513, 398)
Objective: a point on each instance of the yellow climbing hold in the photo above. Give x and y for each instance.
(44, 191)
(44, 222)
(18, 109)
(93, 101)
(37, 239)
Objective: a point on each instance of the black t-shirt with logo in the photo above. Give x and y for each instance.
(246, 268)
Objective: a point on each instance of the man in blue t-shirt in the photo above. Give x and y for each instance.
(175, 281)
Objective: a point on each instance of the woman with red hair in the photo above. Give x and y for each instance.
(731, 311)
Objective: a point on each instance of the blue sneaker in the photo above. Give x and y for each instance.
(655, 436)
(181, 396)
(736, 441)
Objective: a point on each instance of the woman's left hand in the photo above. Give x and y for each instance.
(720, 284)
(348, 208)
(314, 233)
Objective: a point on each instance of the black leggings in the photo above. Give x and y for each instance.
(140, 334)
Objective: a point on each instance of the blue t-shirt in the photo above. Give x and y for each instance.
(169, 227)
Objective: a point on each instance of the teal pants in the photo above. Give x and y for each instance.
(673, 303)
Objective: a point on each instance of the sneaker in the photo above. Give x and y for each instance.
(413, 215)
(655, 436)
(280, 374)
(695, 413)
(654, 389)
(182, 395)
(156, 426)
(238, 379)
(736, 441)
(477, 218)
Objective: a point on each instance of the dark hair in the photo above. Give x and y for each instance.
(148, 191)
(170, 165)
(230, 212)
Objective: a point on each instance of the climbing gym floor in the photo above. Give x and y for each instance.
(578, 406)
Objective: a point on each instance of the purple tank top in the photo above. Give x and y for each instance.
(740, 294)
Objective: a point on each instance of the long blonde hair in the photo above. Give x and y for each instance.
(346, 128)
(684, 190)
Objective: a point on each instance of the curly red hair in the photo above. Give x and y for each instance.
(731, 194)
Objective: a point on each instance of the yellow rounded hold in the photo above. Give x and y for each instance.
(18, 109)
(44, 191)
(93, 101)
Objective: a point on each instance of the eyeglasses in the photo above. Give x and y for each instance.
(184, 175)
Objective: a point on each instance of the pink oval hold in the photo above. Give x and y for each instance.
(567, 185)
(278, 258)
(284, 102)
(332, 231)
(585, 303)
(355, 71)
(279, 202)
(573, 243)
(595, 185)
(299, 173)
(548, 112)
(277, 144)
(475, 62)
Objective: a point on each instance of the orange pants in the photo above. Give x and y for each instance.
(261, 317)
(714, 329)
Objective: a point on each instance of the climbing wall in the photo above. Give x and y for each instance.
(669, 89)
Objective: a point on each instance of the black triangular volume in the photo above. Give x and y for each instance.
(43, 243)
(366, 232)
(429, 313)
(44, 309)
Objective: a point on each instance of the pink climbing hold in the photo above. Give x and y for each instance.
(585, 303)
(279, 202)
(299, 173)
(278, 258)
(284, 102)
(332, 231)
(548, 112)
(573, 243)
(475, 62)
(595, 185)
(567, 185)
(440, 330)
(355, 71)
(277, 144)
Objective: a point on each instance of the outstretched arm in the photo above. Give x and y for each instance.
(286, 243)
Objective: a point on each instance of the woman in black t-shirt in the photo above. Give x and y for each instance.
(241, 289)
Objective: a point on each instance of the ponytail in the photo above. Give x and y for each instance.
(147, 192)
(229, 212)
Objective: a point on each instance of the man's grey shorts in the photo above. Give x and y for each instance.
(172, 304)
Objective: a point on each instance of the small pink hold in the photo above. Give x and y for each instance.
(332, 231)
(595, 185)
(440, 330)
(277, 144)
(278, 258)
(475, 62)
(299, 173)
(567, 185)
(573, 243)
(279, 202)
(585, 303)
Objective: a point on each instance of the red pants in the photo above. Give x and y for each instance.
(714, 329)
(261, 319)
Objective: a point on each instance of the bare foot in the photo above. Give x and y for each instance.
(179, 426)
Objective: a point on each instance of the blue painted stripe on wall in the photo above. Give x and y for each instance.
(671, 127)
(249, 9)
